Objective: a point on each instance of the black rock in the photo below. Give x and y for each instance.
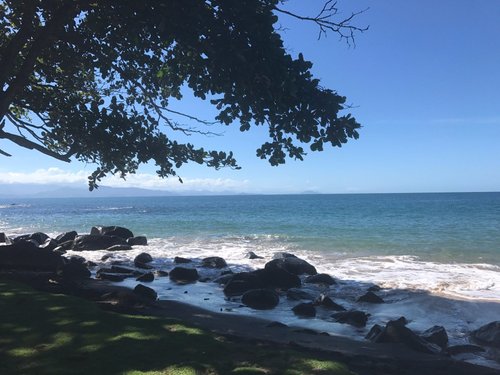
(291, 264)
(181, 260)
(282, 254)
(96, 242)
(184, 275)
(49, 244)
(370, 297)
(374, 288)
(116, 277)
(261, 299)
(64, 237)
(147, 277)
(278, 278)
(354, 317)
(137, 241)
(213, 262)
(320, 278)
(328, 303)
(242, 282)
(120, 247)
(143, 258)
(121, 232)
(25, 255)
(488, 334)
(252, 255)
(4, 239)
(39, 237)
(161, 273)
(305, 310)
(75, 269)
(298, 294)
(436, 335)
(374, 333)
(396, 332)
(461, 349)
(146, 292)
(276, 324)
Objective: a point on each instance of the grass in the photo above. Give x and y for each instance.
(43, 333)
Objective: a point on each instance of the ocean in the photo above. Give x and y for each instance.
(436, 254)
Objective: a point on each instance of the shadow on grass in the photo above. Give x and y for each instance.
(57, 334)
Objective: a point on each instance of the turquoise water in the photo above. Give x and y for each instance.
(447, 227)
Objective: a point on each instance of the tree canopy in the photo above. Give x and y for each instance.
(94, 81)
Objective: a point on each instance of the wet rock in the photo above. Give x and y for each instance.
(64, 246)
(120, 247)
(261, 299)
(242, 282)
(466, 348)
(184, 275)
(374, 332)
(354, 317)
(25, 255)
(147, 277)
(297, 294)
(124, 269)
(96, 242)
(276, 324)
(278, 278)
(374, 288)
(396, 332)
(146, 292)
(117, 231)
(291, 264)
(252, 255)
(115, 277)
(4, 239)
(75, 269)
(488, 334)
(320, 278)
(143, 258)
(328, 303)
(181, 260)
(137, 241)
(223, 279)
(49, 244)
(105, 257)
(436, 335)
(305, 310)
(64, 237)
(161, 273)
(282, 254)
(370, 297)
(213, 262)
(39, 237)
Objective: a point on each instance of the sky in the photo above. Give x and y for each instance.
(423, 80)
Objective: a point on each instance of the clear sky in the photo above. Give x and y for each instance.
(424, 81)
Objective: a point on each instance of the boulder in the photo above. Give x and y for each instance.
(49, 244)
(39, 237)
(291, 264)
(278, 278)
(374, 332)
(370, 297)
(354, 317)
(26, 256)
(396, 332)
(374, 288)
(143, 258)
(96, 242)
(124, 269)
(137, 241)
(242, 282)
(4, 239)
(261, 299)
(282, 254)
(184, 275)
(488, 334)
(465, 348)
(181, 260)
(146, 292)
(121, 232)
(64, 237)
(115, 277)
(119, 247)
(75, 269)
(328, 303)
(213, 262)
(252, 255)
(299, 294)
(436, 335)
(146, 278)
(305, 309)
(320, 278)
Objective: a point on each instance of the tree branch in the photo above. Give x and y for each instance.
(343, 28)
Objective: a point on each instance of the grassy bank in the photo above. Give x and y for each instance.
(42, 333)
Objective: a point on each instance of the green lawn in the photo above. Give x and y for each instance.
(43, 333)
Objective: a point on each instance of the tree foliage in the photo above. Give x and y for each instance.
(94, 80)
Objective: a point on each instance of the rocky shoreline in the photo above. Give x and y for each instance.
(285, 276)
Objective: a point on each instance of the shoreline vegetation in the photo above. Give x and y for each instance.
(39, 261)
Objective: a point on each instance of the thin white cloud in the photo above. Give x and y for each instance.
(58, 176)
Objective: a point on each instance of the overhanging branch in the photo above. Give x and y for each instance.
(26, 143)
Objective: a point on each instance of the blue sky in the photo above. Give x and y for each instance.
(425, 83)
